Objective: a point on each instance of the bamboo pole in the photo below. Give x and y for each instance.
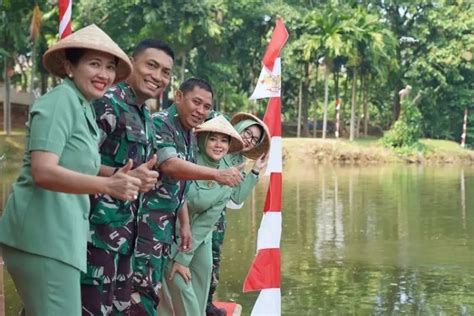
(326, 97)
(300, 104)
(7, 122)
(338, 110)
(464, 129)
(2, 291)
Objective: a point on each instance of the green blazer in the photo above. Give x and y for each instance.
(44, 222)
(206, 202)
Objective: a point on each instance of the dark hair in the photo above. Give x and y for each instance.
(74, 54)
(153, 43)
(262, 134)
(189, 84)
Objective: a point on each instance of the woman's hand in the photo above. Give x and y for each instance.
(183, 270)
(260, 163)
(122, 186)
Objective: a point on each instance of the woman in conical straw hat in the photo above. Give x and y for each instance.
(256, 139)
(43, 230)
(187, 276)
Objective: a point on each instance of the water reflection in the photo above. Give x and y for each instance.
(329, 243)
(366, 240)
(382, 240)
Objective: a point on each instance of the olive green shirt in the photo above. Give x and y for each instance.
(206, 200)
(44, 222)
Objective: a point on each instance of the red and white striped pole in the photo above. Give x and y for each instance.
(65, 14)
(264, 274)
(464, 129)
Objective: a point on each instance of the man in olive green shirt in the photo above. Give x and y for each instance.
(126, 132)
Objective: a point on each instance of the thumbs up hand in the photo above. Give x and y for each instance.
(123, 186)
(146, 174)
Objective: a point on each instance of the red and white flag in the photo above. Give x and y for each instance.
(264, 274)
(65, 14)
(269, 81)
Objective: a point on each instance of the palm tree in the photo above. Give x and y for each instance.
(325, 36)
(369, 46)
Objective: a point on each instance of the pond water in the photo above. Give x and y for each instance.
(357, 240)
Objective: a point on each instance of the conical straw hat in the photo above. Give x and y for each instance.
(219, 124)
(264, 146)
(89, 37)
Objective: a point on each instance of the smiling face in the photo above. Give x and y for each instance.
(151, 73)
(193, 106)
(93, 74)
(217, 145)
(251, 137)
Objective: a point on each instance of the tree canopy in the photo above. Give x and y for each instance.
(362, 52)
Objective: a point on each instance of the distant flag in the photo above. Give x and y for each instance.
(265, 273)
(65, 14)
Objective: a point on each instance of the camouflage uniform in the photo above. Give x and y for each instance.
(239, 195)
(157, 217)
(127, 132)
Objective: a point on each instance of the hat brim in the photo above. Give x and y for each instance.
(92, 38)
(236, 143)
(264, 146)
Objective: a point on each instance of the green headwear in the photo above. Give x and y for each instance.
(202, 158)
(216, 125)
(242, 125)
(243, 120)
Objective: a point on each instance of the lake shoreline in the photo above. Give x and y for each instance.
(371, 151)
(361, 151)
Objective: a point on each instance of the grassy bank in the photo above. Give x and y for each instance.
(11, 149)
(365, 150)
(370, 150)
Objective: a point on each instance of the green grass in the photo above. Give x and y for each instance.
(11, 149)
(370, 149)
(444, 146)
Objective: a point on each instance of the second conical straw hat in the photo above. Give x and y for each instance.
(264, 146)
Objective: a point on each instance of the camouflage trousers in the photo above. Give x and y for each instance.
(148, 273)
(106, 287)
(218, 235)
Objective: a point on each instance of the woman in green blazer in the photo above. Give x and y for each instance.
(43, 230)
(187, 276)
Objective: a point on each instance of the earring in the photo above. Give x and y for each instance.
(70, 75)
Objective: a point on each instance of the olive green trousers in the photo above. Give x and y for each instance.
(47, 287)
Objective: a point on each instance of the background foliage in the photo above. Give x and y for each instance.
(362, 52)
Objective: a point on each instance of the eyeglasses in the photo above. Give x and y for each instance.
(254, 140)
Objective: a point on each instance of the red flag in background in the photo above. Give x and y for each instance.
(279, 37)
(65, 14)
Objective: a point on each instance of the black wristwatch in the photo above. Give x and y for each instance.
(255, 172)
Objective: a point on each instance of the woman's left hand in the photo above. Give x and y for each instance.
(260, 163)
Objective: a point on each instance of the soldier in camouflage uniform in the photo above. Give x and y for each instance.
(256, 139)
(176, 146)
(127, 133)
